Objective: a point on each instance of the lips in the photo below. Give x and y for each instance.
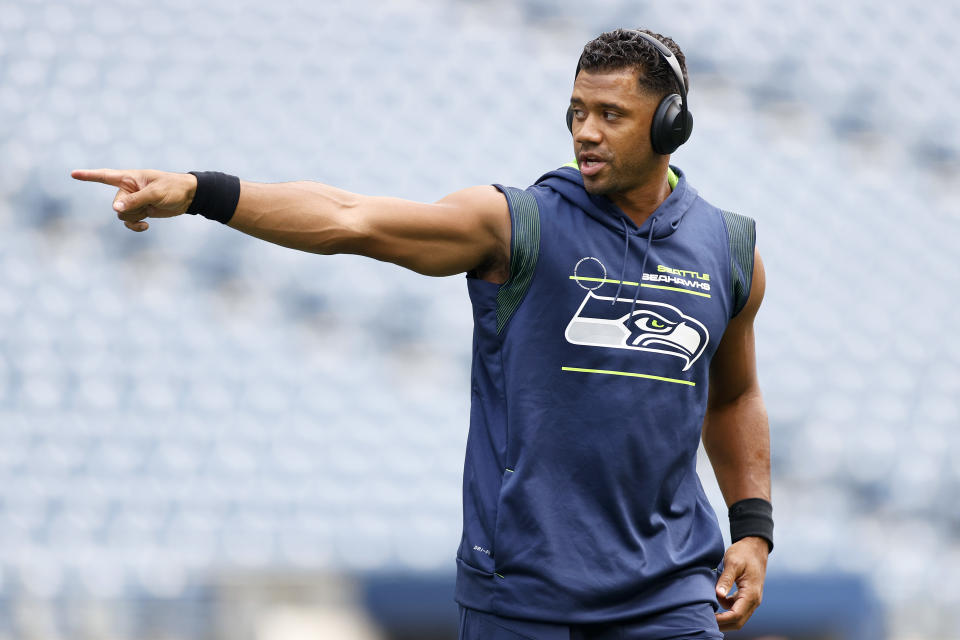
(591, 164)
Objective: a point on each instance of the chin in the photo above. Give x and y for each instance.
(596, 187)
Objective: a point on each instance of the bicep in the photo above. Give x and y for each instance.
(733, 370)
(461, 232)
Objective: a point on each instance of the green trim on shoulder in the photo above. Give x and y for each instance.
(573, 165)
(524, 251)
(742, 234)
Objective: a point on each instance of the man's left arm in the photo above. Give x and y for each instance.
(736, 436)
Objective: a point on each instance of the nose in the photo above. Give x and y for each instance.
(587, 131)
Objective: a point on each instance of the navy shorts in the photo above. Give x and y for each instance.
(686, 623)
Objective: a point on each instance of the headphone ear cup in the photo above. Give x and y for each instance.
(683, 126)
(671, 126)
(570, 119)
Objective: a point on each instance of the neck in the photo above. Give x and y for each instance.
(641, 201)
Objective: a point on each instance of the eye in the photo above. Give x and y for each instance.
(577, 113)
(610, 115)
(650, 323)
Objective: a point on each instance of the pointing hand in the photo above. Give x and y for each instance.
(144, 193)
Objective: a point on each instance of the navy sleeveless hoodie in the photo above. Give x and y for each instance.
(581, 501)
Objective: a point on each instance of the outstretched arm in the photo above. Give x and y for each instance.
(736, 436)
(466, 231)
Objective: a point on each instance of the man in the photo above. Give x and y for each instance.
(608, 298)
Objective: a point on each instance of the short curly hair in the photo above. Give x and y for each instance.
(624, 49)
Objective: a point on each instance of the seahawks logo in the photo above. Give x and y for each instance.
(654, 327)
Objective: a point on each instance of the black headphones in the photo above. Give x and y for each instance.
(672, 122)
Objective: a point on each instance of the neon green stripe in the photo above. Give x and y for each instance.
(629, 374)
(649, 286)
(690, 291)
(573, 165)
(510, 470)
(497, 574)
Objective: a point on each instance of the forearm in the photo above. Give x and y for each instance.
(450, 236)
(308, 216)
(736, 436)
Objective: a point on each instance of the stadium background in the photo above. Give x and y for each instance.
(205, 436)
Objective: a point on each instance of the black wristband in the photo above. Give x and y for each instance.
(217, 195)
(751, 517)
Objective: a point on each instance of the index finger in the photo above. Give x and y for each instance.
(111, 177)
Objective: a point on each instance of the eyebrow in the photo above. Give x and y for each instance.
(604, 105)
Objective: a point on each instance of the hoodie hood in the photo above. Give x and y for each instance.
(568, 182)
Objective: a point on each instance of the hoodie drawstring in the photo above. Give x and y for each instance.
(626, 251)
(643, 264)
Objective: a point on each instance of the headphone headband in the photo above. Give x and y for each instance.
(669, 58)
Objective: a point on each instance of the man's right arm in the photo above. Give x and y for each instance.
(468, 230)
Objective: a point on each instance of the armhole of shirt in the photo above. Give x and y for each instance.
(524, 250)
(742, 235)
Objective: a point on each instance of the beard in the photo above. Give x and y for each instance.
(619, 178)
(613, 182)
